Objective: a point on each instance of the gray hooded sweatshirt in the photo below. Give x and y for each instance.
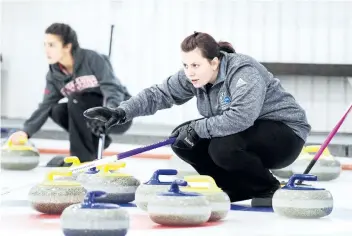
(243, 92)
(92, 73)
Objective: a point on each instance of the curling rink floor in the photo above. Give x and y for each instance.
(18, 218)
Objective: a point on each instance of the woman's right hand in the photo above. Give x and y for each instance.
(18, 138)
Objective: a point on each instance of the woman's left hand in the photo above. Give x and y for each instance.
(186, 136)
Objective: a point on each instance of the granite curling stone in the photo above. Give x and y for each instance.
(23, 156)
(302, 201)
(150, 189)
(91, 218)
(119, 187)
(326, 168)
(219, 201)
(52, 197)
(177, 208)
(74, 162)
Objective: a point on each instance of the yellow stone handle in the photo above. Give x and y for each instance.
(201, 179)
(315, 148)
(21, 141)
(72, 159)
(51, 174)
(18, 147)
(112, 166)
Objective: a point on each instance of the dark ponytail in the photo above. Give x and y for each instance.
(226, 47)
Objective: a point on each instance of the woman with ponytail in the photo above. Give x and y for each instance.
(250, 125)
(86, 78)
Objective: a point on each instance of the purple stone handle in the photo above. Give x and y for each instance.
(136, 151)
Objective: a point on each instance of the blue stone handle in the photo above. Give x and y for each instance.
(301, 177)
(154, 180)
(89, 199)
(174, 188)
(155, 177)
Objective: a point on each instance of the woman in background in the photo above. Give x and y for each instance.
(87, 79)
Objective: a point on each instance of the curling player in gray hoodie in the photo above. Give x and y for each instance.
(250, 123)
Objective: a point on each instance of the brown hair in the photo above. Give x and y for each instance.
(207, 45)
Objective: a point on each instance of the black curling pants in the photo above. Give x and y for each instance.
(69, 116)
(240, 163)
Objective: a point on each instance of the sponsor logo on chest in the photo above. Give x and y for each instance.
(224, 100)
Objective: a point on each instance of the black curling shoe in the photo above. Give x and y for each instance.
(265, 199)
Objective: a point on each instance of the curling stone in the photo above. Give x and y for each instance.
(52, 197)
(19, 157)
(301, 201)
(119, 187)
(219, 201)
(91, 218)
(177, 208)
(148, 190)
(326, 168)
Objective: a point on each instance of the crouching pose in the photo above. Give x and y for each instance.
(86, 78)
(250, 125)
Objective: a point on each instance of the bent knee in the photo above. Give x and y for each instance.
(57, 111)
(185, 155)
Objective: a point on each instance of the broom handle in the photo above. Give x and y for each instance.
(326, 142)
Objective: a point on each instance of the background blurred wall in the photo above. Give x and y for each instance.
(146, 40)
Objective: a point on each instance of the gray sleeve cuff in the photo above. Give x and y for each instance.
(201, 129)
(128, 110)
